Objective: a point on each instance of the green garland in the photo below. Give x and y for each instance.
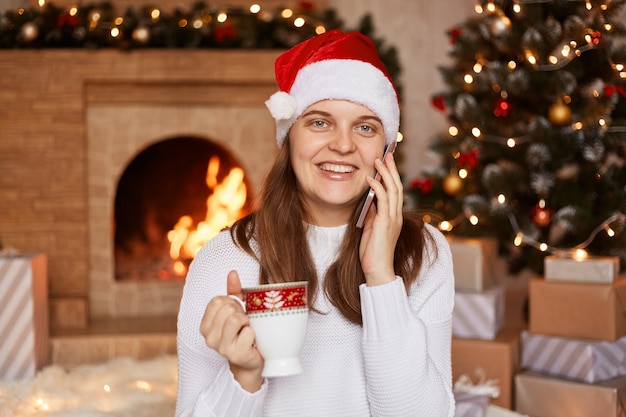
(98, 25)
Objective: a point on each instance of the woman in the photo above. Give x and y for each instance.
(379, 332)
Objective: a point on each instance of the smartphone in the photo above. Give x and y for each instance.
(370, 194)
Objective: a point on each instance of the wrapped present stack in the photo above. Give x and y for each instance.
(24, 341)
(483, 348)
(574, 352)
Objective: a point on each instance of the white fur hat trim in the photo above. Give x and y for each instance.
(338, 79)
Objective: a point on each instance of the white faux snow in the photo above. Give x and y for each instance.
(122, 387)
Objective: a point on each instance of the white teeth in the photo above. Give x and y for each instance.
(337, 168)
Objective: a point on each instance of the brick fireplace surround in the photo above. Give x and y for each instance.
(71, 121)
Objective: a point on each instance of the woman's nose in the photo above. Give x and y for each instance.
(342, 141)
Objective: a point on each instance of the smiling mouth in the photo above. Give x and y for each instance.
(341, 169)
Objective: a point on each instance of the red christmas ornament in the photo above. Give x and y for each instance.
(596, 37)
(541, 216)
(502, 108)
(438, 103)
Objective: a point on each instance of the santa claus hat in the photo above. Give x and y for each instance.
(333, 65)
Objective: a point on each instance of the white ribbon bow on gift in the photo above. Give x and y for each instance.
(482, 386)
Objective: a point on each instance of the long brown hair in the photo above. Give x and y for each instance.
(275, 234)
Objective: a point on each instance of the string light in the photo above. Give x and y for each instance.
(512, 142)
(520, 238)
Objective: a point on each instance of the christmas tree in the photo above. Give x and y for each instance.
(536, 148)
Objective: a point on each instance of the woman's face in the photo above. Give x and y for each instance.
(333, 147)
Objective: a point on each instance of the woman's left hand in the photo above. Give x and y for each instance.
(382, 225)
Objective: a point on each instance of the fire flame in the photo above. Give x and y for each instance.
(224, 207)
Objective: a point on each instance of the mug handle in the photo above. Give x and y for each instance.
(239, 300)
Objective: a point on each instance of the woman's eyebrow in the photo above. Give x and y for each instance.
(315, 113)
(371, 117)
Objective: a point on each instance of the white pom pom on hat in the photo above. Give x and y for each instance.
(333, 65)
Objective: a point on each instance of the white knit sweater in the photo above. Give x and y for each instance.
(397, 364)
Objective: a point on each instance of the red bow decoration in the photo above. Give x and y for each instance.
(469, 159)
(306, 5)
(67, 19)
(609, 90)
(438, 103)
(423, 185)
(454, 35)
(224, 32)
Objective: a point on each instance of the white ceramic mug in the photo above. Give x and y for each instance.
(278, 315)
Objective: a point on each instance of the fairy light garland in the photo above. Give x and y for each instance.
(98, 25)
(577, 252)
(569, 50)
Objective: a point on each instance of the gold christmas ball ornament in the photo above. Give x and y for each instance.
(452, 184)
(559, 114)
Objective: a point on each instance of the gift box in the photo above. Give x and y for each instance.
(478, 315)
(496, 360)
(593, 269)
(24, 343)
(470, 405)
(544, 396)
(474, 262)
(578, 310)
(577, 359)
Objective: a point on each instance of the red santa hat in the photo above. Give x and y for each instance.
(333, 65)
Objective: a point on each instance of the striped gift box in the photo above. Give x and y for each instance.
(23, 315)
(577, 359)
(478, 315)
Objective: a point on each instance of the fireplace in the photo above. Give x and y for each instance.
(173, 197)
(131, 142)
(73, 122)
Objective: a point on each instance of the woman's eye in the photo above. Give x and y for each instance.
(366, 128)
(319, 123)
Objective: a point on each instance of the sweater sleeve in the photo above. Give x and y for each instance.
(206, 387)
(407, 339)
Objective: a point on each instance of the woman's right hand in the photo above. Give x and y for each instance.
(226, 328)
